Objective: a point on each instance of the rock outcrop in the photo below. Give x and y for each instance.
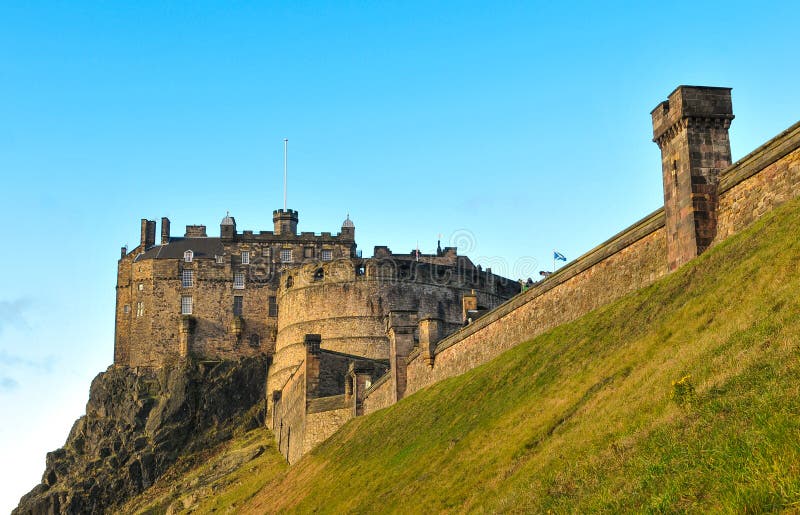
(139, 422)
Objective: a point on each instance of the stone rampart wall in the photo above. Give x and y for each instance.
(289, 416)
(759, 182)
(321, 425)
(634, 258)
(379, 395)
(628, 261)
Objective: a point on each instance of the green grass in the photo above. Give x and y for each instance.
(216, 480)
(585, 418)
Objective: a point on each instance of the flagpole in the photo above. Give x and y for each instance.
(285, 158)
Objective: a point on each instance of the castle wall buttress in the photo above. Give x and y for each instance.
(691, 129)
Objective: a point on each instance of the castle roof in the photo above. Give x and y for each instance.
(201, 247)
(348, 222)
(228, 220)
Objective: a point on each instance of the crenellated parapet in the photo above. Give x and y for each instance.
(460, 274)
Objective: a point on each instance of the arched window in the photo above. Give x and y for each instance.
(319, 274)
(188, 256)
(289, 281)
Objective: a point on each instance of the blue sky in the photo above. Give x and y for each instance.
(511, 128)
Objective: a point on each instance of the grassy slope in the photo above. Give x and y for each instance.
(217, 480)
(583, 418)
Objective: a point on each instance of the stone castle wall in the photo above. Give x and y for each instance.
(629, 261)
(289, 416)
(379, 395)
(347, 302)
(322, 424)
(759, 182)
(635, 258)
(151, 330)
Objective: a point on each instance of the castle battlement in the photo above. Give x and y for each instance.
(457, 273)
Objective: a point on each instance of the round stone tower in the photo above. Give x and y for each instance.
(348, 302)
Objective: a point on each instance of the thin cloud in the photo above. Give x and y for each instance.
(12, 313)
(12, 360)
(8, 384)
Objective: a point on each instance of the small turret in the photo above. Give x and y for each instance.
(348, 229)
(285, 221)
(227, 227)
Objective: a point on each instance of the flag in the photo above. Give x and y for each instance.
(558, 256)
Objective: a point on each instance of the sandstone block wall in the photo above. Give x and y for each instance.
(289, 416)
(759, 182)
(150, 329)
(321, 425)
(379, 395)
(629, 261)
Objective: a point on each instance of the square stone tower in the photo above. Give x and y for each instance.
(691, 129)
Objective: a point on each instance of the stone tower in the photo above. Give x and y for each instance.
(285, 222)
(691, 129)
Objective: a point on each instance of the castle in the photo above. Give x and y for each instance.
(348, 336)
(243, 294)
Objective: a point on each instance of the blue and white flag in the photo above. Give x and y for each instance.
(558, 256)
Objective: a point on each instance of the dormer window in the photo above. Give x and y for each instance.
(245, 257)
(188, 256)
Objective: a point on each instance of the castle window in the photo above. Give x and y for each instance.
(273, 306)
(319, 274)
(139, 309)
(126, 308)
(141, 287)
(188, 256)
(361, 270)
(187, 278)
(289, 281)
(286, 256)
(186, 305)
(238, 281)
(245, 257)
(219, 259)
(327, 255)
(238, 301)
(255, 341)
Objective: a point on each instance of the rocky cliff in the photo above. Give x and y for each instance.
(139, 422)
